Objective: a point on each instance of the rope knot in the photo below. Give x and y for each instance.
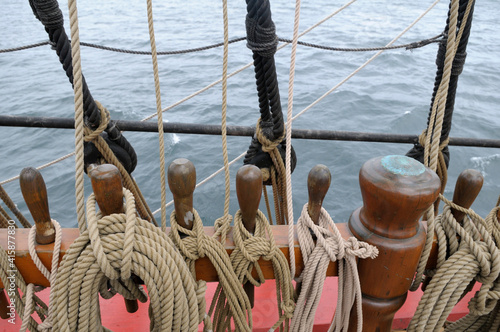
(267, 144)
(90, 135)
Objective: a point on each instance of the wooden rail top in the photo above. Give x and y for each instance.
(204, 268)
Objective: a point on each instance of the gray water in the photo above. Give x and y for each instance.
(391, 95)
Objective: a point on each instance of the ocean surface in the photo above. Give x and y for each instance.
(390, 95)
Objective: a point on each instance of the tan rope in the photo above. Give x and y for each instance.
(79, 125)
(110, 157)
(12, 207)
(112, 249)
(475, 257)
(197, 244)
(51, 275)
(431, 139)
(329, 246)
(14, 283)
(159, 114)
(222, 224)
(249, 248)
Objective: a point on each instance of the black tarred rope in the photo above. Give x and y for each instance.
(263, 41)
(417, 152)
(48, 12)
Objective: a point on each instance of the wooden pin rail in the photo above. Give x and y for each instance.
(204, 268)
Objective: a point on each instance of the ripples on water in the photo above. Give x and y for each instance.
(390, 95)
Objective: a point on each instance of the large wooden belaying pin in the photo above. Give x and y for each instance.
(396, 191)
(108, 190)
(35, 195)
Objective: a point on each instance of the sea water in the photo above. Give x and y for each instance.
(390, 95)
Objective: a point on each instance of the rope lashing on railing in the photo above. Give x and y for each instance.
(48, 12)
(466, 253)
(320, 244)
(249, 248)
(194, 244)
(102, 260)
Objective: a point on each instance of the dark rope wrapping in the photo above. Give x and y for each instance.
(48, 12)
(262, 40)
(417, 152)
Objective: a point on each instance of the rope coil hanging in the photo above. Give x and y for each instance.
(102, 259)
(319, 245)
(249, 248)
(472, 255)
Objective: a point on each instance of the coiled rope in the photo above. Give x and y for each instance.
(328, 246)
(195, 244)
(106, 254)
(249, 248)
(473, 255)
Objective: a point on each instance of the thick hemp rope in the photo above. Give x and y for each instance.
(475, 256)
(102, 260)
(328, 246)
(432, 146)
(249, 248)
(196, 244)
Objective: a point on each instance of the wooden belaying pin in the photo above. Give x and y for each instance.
(4, 303)
(396, 191)
(318, 183)
(249, 191)
(181, 176)
(467, 188)
(35, 195)
(108, 190)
